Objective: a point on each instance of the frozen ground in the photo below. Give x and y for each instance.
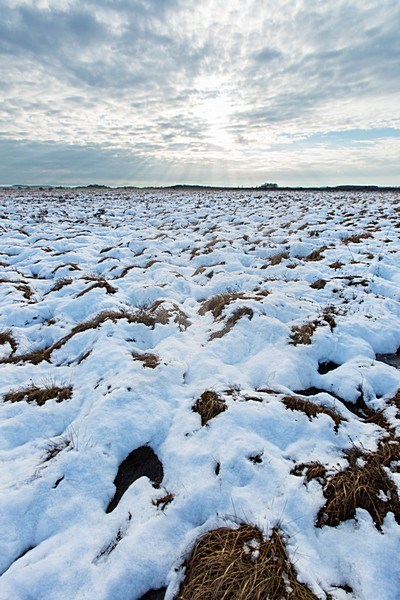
(148, 263)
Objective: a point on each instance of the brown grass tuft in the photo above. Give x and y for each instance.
(278, 258)
(208, 406)
(313, 470)
(164, 500)
(217, 304)
(316, 254)
(33, 393)
(319, 284)
(238, 564)
(365, 485)
(302, 334)
(311, 409)
(6, 337)
(98, 282)
(231, 322)
(151, 361)
(336, 265)
(37, 356)
(61, 283)
(356, 239)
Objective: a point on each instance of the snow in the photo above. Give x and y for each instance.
(54, 510)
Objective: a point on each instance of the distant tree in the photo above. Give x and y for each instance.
(268, 186)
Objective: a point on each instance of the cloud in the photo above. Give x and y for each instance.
(166, 80)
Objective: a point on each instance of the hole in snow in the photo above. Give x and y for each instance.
(142, 462)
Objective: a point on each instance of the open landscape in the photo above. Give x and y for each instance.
(199, 395)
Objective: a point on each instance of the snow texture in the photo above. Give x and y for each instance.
(165, 254)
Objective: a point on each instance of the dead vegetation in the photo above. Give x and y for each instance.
(56, 446)
(356, 238)
(163, 314)
(37, 356)
(208, 406)
(316, 255)
(98, 282)
(311, 409)
(364, 484)
(310, 470)
(302, 334)
(6, 337)
(163, 502)
(231, 322)
(217, 304)
(60, 283)
(238, 564)
(277, 258)
(319, 284)
(40, 395)
(150, 361)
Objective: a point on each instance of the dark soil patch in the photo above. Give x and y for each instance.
(142, 462)
(154, 594)
(390, 359)
(326, 367)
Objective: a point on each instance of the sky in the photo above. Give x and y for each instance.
(213, 92)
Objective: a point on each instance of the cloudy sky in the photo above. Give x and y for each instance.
(231, 92)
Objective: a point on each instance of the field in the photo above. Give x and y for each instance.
(199, 395)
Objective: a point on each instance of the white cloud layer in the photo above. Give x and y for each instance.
(200, 91)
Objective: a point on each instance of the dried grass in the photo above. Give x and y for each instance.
(98, 282)
(238, 564)
(40, 395)
(208, 406)
(316, 255)
(364, 484)
(61, 283)
(162, 502)
(150, 361)
(6, 337)
(231, 322)
(217, 304)
(356, 239)
(311, 409)
(39, 355)
(319, 284)
(278, 258)
(310, 470)
(302, 334)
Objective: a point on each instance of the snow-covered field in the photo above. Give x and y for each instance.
(120, 309)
